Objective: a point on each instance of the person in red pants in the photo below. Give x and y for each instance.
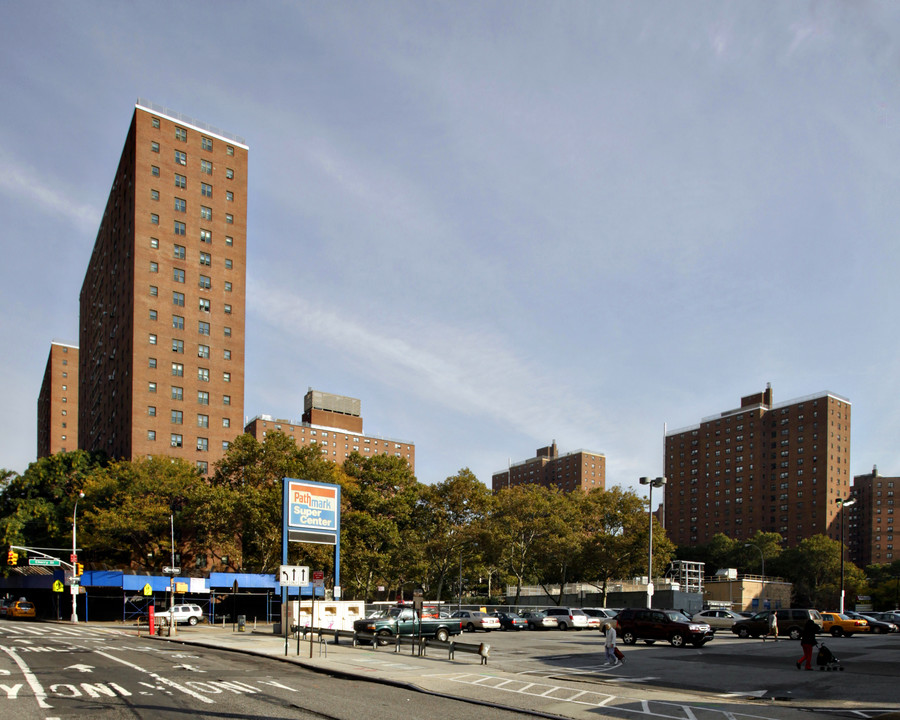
(808, 642)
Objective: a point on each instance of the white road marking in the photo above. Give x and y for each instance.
(158, 678)
(30, 678)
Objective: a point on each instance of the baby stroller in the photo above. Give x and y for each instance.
(826, 660)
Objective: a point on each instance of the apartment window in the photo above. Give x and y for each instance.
(154, 267)
(206, 237)
(180, 181)
(178, 299)
(180, 158)
(229, 240)
(204, 305)
(203, 374)
(205, 282)
(228, 332)
(226, 399)
(205, 212)
(178, 369)
(151, 387)
(154, 219)
(203, 328)
(153, 314)
(203, 467)
(180, 228)
(181, 134)
(203, 351)
(179, 252)
(154, 147)
(229, 219)
(228, 264)
(177, 393)
(154, 194)
(229, 150)
(206, 143)
(227, 354)
(177, 417)
(227, 309)
(229, 196)
(154, 171)
(202, 444)
(229, 173)
(226, 422)
(227, 286)
(203, 421)
(206, 167)
(203, 397)
(176, 440)
(226, 377)
(151, 362)
(152, 339)
(225, 445)
(178, 275)
(155, 122)
(178, 346)
(180, 205)
(205, 259)
(151, 434)
(206, 190)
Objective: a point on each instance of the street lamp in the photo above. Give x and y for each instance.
(841, 505)
(652, 482)
(762, 559)
(74, 559)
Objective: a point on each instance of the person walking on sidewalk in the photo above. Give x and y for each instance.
(773, 626)
(808, 642)
(610, 644)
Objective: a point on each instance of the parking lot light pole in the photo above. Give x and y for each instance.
(652, 482)
(74, 558)
(841, 505)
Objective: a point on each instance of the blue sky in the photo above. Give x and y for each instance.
(498, 224)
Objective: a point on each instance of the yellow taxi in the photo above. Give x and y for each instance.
(842, 625)
(21, 609)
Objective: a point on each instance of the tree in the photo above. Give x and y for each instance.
(447, 520)
(814, 568)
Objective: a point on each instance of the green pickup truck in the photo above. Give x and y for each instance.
(403, 621)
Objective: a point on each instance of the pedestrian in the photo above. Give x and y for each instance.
(773, 626)
(808, 642)
(610, 644)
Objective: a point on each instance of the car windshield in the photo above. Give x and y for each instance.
(675, 615)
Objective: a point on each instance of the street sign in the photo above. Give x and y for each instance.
(293, 575)
(51, 562)
(171, 570)
(148, 590)
(57, 586)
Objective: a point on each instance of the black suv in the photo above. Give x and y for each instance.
(790, 622)
(650, 625)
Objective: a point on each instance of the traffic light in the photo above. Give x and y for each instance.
(12, 558)
(79, 569)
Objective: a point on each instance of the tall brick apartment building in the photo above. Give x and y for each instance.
(775, 468)
(334, 424)
(580, 470)
(163, 298)
(869, 524)
(57, 408)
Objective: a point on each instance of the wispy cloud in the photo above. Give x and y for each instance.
(23, 184)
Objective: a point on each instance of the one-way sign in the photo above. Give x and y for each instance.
(293, 575)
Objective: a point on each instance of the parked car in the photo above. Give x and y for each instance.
(598, 617)
(718, 619)
(600, 612)
(473, 620)
(509, 621)
(843, 625)
(790, 622)
(190, 614)
(21, 610)
(4, 605)
(878, 627)
(892, 616)
(539, 620)
(568, 617)
(651, 624)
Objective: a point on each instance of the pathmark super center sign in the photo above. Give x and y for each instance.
(313, 511)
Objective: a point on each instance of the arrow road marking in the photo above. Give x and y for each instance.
(159, 678)
(189, 667)
(81, 668)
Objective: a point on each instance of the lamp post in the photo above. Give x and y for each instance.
(73, 587)
(841, 505)
(652, 482)
(762, 559)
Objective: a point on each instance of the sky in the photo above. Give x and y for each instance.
(497, 224)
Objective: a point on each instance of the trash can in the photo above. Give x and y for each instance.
(242, 622)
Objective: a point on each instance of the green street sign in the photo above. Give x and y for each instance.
(47, 562)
